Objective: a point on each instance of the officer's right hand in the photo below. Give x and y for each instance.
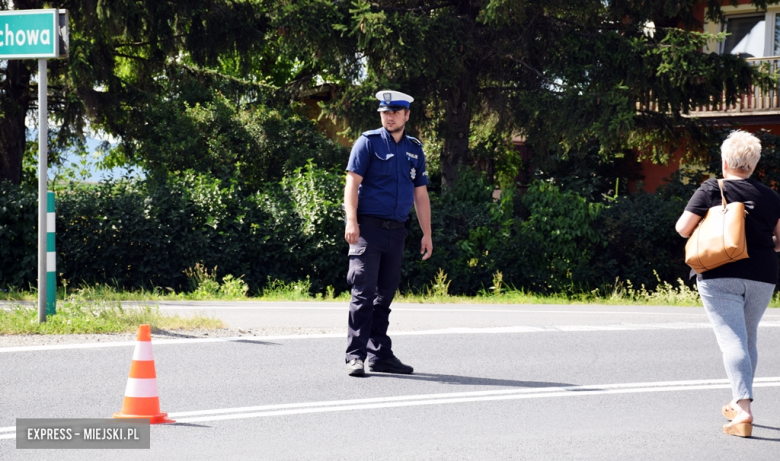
(352, 233)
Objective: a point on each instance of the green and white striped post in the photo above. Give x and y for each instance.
(51, 257)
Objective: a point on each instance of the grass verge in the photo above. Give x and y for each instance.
(231, 289)
(78, 317)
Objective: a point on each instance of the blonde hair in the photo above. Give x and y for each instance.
(741, 150)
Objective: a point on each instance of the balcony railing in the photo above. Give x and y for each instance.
(756, 102)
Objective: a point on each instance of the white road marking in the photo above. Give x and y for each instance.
(439, 401)
(719, 383)
(569, 328)
(443, 398)
(397, 307)
(414, 309)
(446, 331)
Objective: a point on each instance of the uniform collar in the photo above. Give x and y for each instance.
(389, 135)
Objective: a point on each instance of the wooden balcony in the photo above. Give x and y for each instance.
(758, 105)
(755, 107)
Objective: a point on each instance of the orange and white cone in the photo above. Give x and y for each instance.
(141, 398)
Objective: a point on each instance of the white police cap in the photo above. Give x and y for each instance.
(393, 100)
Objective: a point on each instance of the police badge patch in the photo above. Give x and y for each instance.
(413, 173)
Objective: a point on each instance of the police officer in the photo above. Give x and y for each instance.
(385, 177)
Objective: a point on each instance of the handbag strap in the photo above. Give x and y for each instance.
(722, 195)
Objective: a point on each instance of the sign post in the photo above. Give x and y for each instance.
(41, 35)
(43, 177)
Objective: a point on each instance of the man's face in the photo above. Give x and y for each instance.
(394, 120)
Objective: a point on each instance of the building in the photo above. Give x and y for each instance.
(755, 35)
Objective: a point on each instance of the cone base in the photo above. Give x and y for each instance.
(160, 418)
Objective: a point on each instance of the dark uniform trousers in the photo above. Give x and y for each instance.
(374, 273)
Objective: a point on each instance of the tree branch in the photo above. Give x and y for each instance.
(122, 55)
(532, 69)
(120, 45)
(419, 9)
(603, 24)
(213, 73)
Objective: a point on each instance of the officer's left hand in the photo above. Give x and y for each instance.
(426, 245)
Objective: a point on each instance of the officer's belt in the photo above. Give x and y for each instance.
(378, 222)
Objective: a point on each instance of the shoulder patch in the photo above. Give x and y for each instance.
(371, 132)
(414, 140)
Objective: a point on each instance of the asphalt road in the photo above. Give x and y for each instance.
(414, 317)
(490, 382)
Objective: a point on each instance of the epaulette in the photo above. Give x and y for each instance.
(415, 140)
(372, 132)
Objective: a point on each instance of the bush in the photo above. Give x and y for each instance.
(153, 233)
(459, 217)
(543, 242)
(561, 226)
(148, 233)
(18, 235)
(640, 239)
(302, 231)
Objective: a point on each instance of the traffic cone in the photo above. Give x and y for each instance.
(141, 399)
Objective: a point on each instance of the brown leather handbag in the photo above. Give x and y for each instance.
(719, 238)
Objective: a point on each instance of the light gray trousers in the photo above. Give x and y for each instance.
(735, 306)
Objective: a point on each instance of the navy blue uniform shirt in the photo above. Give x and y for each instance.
(390, 173)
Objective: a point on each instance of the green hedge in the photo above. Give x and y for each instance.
(561, 235)
(18, 235)
(147, 233)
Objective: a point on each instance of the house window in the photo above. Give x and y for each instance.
(747, 36)
(750, 34)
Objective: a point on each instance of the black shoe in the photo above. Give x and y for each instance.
(391, 365)
(355, 367)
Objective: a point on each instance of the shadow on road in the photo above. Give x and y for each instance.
(767, 427)
(250, 341)
(468, 380)
(766, 438)
(163, 334)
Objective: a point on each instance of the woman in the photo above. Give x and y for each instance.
(736, 294)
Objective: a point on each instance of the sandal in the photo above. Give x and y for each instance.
(729, 412)
(739, 429)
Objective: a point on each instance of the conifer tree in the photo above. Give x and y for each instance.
(560, 72)
(124, 56)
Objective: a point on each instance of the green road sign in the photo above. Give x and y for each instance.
(29, 34)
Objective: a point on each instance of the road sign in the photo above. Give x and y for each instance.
(32, 34)
(41, 35)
